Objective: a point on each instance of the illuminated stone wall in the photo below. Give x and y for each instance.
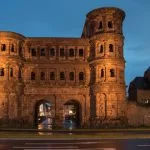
(88, 70)
(104, 28)
(11, 81)
(137, 115)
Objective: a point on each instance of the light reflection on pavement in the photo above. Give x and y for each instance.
(74, 144)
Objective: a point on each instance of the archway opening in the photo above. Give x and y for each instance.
(43, 115)
(72, 115)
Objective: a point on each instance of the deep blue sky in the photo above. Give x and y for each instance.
(65, 18)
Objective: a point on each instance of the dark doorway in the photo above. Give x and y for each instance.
(72, 115)
(43, 115)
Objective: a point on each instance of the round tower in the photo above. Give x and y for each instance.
(11, 63)
(103, 27)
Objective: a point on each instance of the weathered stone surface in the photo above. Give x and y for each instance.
(98, 55)
(137, 115)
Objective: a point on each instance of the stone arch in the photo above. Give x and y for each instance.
(72, 114)
(44, 114)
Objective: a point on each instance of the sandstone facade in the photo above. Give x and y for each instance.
(137, 115)
(87, 71)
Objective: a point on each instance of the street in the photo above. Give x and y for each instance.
(70, 144)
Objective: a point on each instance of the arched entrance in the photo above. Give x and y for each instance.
(71, 114)
(43, 115)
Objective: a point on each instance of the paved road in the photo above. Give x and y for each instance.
(80, 144)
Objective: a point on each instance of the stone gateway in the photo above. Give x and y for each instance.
(65, 82)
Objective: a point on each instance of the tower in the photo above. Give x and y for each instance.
(11, 56)
(103, 27)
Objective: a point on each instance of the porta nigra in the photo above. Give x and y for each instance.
(65, 82)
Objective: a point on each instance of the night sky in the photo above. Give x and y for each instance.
(65, 18)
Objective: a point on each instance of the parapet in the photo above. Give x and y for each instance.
(105, 10)
(9, 34)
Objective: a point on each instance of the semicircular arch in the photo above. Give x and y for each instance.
(43, 114)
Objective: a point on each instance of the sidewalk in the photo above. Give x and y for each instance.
(82, 131)
(74, 134)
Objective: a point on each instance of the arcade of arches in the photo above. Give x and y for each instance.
(45, 114)
(65, 81)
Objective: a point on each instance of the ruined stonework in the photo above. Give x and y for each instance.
(139, 89)
(138, 115)
(88, 71)
(138, 104)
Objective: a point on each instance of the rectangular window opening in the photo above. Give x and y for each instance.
(12, 48)
(62, 52)
(52, 52)
(11, 72)
(71, 76)
(33, 51)
(3, 47)
(112, 73)
(42, 77)
(100, 25)
(81, 76)
(101, 49)
(111, 48)
(43, 52)
(110, 24)
(62, 76)
(32, 75)
(81, 52)
(71, 52)
(52, 75)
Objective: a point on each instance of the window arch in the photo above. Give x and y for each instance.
(19, 73)
(62, 52)
(102, 73)
(71, 52)
(110, 25)
(42, 52)
(33, 52)
(112, 73)
(42, 76)
(100, 25)
(52, 75)
(81, 76)
(3, 47)
(20, 50)
(33, 75)
(52, 52)
(71, 76)
(12, 49)
(111, 48)
(81, 53)
(11, 72)
(1, 71)
(101, 48)
(62, 76)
